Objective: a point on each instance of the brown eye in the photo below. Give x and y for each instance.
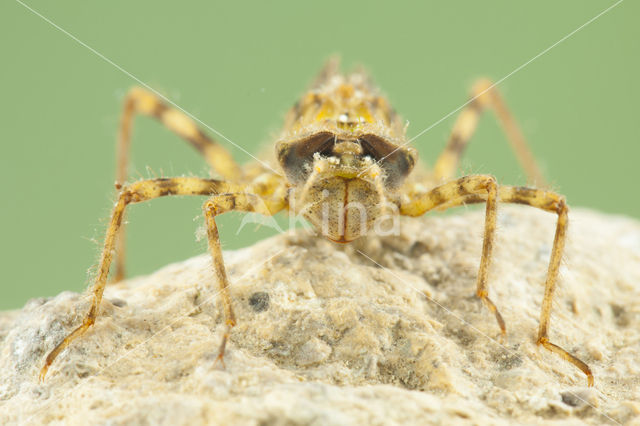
(396, 161)
(293, 156)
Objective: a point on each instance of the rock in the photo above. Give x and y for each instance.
(385, 330)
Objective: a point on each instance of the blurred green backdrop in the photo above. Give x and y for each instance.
(238, 66)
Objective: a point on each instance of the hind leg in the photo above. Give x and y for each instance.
(485, 95)
(144, 102)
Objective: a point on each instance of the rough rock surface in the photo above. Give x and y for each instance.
(382, 331)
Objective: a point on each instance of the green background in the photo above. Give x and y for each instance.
(238, 66)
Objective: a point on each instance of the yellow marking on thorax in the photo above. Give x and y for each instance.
(346, 107)
(342, 104)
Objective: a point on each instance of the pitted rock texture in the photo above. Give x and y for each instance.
(386, 330)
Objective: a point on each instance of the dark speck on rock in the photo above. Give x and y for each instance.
(572, 400)
(118, 302)
(259, 301)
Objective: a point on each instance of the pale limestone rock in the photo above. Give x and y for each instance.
(381, 331)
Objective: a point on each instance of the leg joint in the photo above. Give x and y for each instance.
(144, 102)
(492, 184)
(556, 204)
(482, 93)
(211, 208)
(129, 195)
(562, 207)
(488, 183)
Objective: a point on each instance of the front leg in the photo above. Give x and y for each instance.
(138, 192)
(483, 187)
(215, 206)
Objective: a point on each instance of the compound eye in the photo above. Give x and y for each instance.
(296, 156)
(396, 161)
